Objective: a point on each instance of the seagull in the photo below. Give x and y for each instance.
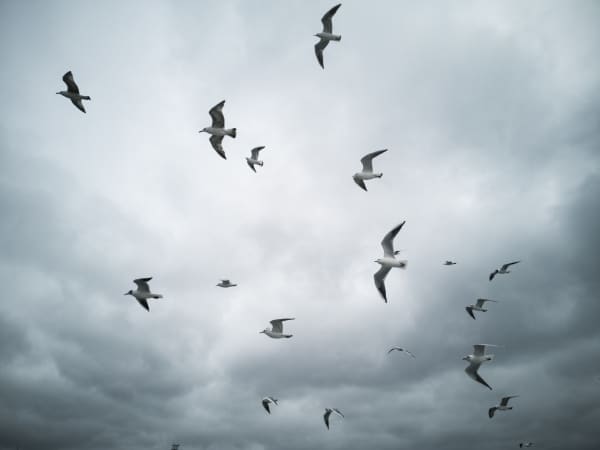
(478, 306)
(503, 270)
(367, 169)
(449, 263)
(328, 412)
(388, 261)
(400, 349)
(326, 35)
(266, 401)
(142, 293)
(72, 92)
(503, 406)
(254, 158)
(218, 130)
(226, 284)
(277, 329)
(475, 360)
(525, 444)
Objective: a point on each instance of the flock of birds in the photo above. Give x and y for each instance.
(218, 132)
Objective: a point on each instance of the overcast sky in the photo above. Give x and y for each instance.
(490, 111)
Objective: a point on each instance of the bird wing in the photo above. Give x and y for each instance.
(379, 278)
(251, 165)
(470, 311)
(225, 281)
(471, 370)
(338, 412)
(255, 152)
(326, 19)
(326, 418)
(216, 113)
(367, 160)
(491, 411)
(394, 348)
(216, 144)
(319, 47)
(505, 400)
(143, 302)
(142, 284)
(493, 274)
(410, 353)
(360, 182)
(507, 265)
(388, 240)
(278, 324)
(481, 301)
(479, 349)
(70, 82)
(77, 102)
(265, 404)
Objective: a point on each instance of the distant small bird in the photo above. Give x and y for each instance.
(388, 261)
(503, 270)
(400, 349)
(267, 401)
(276, 332)
(142, 293)
(254, 158)
(326, 35)
(328, 412)
(449, 263)
(218, 130)
(72, 91)
(475, 360)
(525, 444)
(367, 169)
(503, 406)
(226, 284)
(478, 306)
(175, 447)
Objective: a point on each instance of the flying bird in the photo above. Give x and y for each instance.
(328, 412)
(400, 349)
(367, 169)
(503, 406)
(478, 306)
(525, 444)
(388, 261)
(503, 270)
(267, 401)
(276, 332)
(218, 130)
(449, 263)
(142, 293)
(475, 360)
(254, 158)
(226, 284)
(72, 92)
(326, 35)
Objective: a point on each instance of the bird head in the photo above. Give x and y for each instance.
(130, 292)
(263, 331)
(203, 130)
(468, 358)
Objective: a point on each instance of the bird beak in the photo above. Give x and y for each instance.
(126, 293)
(58, 92)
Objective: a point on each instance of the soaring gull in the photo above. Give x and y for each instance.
(267, 401)
(367, 169)
(503, 406)
(254, 158)
(475, 360)
(218, 130)
(478, 306)
(400, 349)
(226, 284)
(328, 412)
(326, 35)
(276, 332)
(388, 261)
(72, 91)
(142, 293)
(503, 270)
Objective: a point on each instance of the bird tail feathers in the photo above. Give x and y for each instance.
(403, 264)
(232, 132)
(86, 97)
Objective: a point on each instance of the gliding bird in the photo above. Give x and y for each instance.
(475, 360)
(142, 293)
(72, 92)
(503, 406)
(400, 349)
(218, 130)
(276, 332)
(367, 169)
(478, 306)
(503, 270)
(267, 401)
(254, 158)
(388, 261)
(326, 35)
(328, 412)
(226, 284)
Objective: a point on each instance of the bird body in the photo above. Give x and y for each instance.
(72, 92)
(226, 284)
(503, 406)
(276, 331)
(142, 293)
(329, 36)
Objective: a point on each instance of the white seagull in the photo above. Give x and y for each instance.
(400, 349)
(72, 91)
(226, 284)
(218, 130)
(503, 270)
(367, 169)
(326, 35)
(254, 158)
(267, 401)
(525, 444)
(328, 412)
(478, 306)
(475, 360)
(449, 263)
(388, 261)
(503, 406)
(276, 332)
(142, 293)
